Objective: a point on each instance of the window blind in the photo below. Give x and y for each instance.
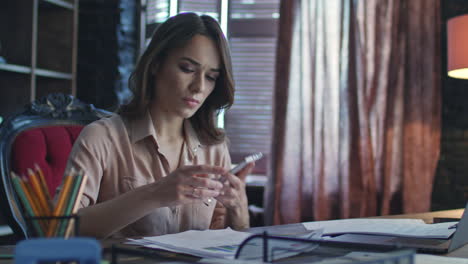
(252, 9)
(253, 33)
(205, 7)
(248, 123)
(157, 11)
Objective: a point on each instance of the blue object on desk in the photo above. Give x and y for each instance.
(82, 250)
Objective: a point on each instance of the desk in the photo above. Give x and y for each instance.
(292, 229)
(428, 217)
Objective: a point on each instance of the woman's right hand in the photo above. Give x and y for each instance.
(186, 185)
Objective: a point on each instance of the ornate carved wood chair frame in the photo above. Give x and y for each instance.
(51, 110)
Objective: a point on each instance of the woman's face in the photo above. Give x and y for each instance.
(186, 78)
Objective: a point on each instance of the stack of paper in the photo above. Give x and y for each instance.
(224, 244)
(394, 227)
(221, 243)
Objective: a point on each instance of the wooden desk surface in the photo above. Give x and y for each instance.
(428, 217)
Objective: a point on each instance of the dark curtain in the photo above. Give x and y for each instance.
(357, 109)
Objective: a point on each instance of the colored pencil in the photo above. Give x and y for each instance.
(76, 205)
(34, 196)
(69, 204)
(43, 184)
(26, 203)
(59, 208)
(39, 192)
(29, 195)
(24, 181)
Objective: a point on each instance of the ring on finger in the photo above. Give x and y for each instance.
(193, 192)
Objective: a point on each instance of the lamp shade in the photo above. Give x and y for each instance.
(457, 47)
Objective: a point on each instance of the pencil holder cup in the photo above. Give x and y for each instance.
(53, 226)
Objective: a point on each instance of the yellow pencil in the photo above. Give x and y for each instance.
(64, 193)
(39, 192)
(76, 204)
(43, 184)
(28, 192)
(27, 205)
(35, 207)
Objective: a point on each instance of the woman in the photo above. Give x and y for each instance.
(152, 167)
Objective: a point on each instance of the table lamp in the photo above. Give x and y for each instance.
(457, 47)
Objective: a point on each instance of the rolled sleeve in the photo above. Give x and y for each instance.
(88, 155)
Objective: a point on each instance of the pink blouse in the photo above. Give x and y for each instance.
(119, 155)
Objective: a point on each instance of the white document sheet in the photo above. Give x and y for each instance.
(431, 259)
(5, 230)
(418, 258)
(393, 227)
(224, 244)
(221, 243)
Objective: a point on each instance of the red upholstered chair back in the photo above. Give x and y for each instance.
(43, 133)
(47, 147)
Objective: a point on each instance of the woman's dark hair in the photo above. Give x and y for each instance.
(175, 33)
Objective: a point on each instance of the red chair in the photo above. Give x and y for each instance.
(43, 133)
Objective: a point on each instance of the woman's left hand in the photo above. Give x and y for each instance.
(234, 198)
